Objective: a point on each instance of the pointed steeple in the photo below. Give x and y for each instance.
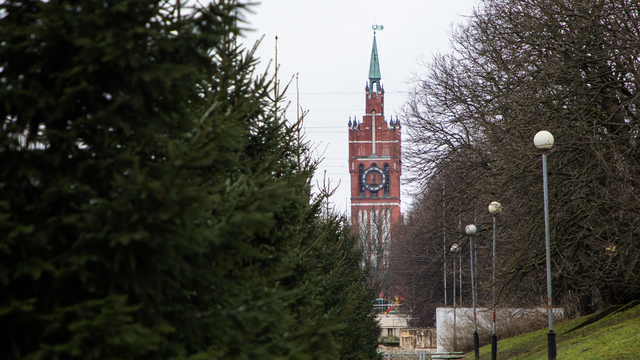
(374, 67)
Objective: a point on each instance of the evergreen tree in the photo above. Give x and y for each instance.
(339, 295)
(153, 200)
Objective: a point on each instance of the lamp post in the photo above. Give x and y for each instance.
(544, 140)
(494, 208)
(471, 230)
(454, 249)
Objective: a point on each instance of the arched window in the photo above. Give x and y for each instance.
(386, 183)
(360, 179)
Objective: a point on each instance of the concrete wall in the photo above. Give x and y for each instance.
(392, 324)
(410, 338)
(418, 339)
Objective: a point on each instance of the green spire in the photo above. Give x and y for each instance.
(374, 66)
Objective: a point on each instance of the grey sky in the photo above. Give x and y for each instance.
(328, 44)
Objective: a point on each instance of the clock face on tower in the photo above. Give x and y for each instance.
(373, 178)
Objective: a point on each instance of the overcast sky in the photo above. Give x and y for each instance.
(328, 44)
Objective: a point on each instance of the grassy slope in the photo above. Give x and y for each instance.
(614, 336)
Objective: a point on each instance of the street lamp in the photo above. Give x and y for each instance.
(471, 230)
(544, 140)
(454, 249)
(494, 208)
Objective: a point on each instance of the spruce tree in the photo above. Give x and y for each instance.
(153, 200)
(338, 294)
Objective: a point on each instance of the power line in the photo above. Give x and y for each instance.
(350, 93)
(325, 127)
(316, 110)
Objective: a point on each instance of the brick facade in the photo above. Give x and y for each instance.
(374, 156)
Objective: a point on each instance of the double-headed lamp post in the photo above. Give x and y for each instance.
(544, 140)
(455, 248)
(471, 230)
(494, 208)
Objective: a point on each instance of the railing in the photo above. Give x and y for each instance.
(406, 354)
(418, 355)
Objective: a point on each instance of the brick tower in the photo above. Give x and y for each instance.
(375, 168)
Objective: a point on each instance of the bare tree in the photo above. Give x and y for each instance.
(570, 67)
(374, 228)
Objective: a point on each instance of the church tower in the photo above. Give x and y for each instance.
(375, 169)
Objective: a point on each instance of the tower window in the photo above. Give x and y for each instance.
(386, 175)
(360, 179)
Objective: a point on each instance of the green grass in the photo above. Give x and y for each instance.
(613, 334)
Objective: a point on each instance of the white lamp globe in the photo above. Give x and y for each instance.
(495, 208)
(543, 140)
(455, 248)
(470, 229)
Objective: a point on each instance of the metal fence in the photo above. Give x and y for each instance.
(406, 354)
(418, 355)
